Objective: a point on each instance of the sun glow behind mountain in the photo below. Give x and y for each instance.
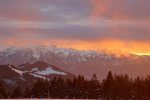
(116, 47)
(142, 54)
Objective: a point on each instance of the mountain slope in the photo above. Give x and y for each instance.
(44, 69)
(27, 74)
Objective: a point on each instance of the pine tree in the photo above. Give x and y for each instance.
(68, 89)
(60, 88)
(17, 93)
(40, 89)
(53, 88)
(147, 88)
(139, 88)
(121, 87)
(3, 93)
(95, 89)
(27, 93)
(78, 87)
(107, 86)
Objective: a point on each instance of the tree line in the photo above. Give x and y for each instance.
(113, 87)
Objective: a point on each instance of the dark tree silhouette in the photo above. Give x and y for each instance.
(113, 87)
(17, 93)
(107, 86)
(94, 88)
(121, 87)
(3, 93)
(40, 89)
(27, 93)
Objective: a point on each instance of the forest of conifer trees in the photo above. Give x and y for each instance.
(113, 87)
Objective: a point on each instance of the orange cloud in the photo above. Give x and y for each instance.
(109, 46)
(116, 47)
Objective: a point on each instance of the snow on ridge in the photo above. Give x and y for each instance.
(34, 69)
(36, 55)
(22, 78)
(38, 76)
(44, 51)
(17, 71)
(48, 71)
(41, 49)
(9, 51)
(64, 51)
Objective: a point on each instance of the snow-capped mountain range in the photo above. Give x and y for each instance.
(76, 61)
(44, 52)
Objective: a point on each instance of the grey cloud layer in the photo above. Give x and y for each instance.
(69, 19)
(59, 9)
(52, 10)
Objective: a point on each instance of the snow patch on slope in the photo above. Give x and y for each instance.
(22, 78)
(34, 69)
(48, 71)
(17, 71)
(38, 76)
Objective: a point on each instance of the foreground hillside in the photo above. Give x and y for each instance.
(28, 74)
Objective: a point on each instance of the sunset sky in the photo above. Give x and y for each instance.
(115, 26)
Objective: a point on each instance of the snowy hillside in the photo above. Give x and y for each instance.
(29, 73)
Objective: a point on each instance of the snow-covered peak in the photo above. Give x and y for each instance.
(41, 49)
(46, 54)
(64, 51)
